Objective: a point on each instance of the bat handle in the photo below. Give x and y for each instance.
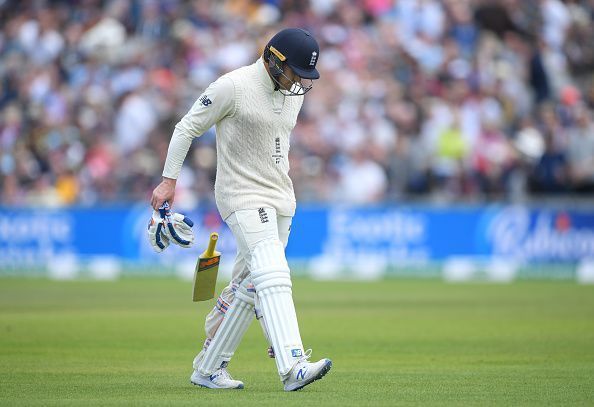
(214, 236)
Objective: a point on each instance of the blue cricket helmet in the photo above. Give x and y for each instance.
(297, 48)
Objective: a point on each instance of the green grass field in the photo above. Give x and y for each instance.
(394, 342)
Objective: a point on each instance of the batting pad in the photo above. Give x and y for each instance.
(270, 275)
(260, 318)
(237, 320)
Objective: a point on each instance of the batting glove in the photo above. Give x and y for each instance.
(156, 233)
(177, 227)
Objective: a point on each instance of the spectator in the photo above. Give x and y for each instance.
(493, 160)
(363, 181)
(550, 174)
(580, 153)
(88, 91)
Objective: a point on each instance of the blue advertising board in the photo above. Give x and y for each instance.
(392, 236)
(429, 233)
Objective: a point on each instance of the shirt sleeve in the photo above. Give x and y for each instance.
(217, 102)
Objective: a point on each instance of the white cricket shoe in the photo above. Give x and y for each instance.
(305, 372)
(220, 379)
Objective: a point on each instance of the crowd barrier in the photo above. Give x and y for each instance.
(495, 242)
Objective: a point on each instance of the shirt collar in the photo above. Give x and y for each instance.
(263, 75)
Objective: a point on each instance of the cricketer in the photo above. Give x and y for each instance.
(254, 109)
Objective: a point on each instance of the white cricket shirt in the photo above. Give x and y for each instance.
(253, 125)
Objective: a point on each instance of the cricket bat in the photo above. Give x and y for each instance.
(207, 268)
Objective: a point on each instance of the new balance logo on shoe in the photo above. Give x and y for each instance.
(220, 379)
(305, 372)
(301, 374)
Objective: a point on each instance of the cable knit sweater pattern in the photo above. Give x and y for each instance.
(253, 127)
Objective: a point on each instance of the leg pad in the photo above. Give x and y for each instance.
(236, 321)
(272, 280)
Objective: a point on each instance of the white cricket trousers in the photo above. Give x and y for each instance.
(249, 226)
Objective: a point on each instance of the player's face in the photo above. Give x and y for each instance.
(289, 78)
(292, 84)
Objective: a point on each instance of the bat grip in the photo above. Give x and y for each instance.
(212, 244)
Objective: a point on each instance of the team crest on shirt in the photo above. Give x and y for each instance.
(205, 100)
(263, 215)
(277, 151)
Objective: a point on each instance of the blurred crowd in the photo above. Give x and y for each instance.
(452, 100)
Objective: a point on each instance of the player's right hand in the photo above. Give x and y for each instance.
(157, 233)
(166, 227)
(165, 191)
(178, 228)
